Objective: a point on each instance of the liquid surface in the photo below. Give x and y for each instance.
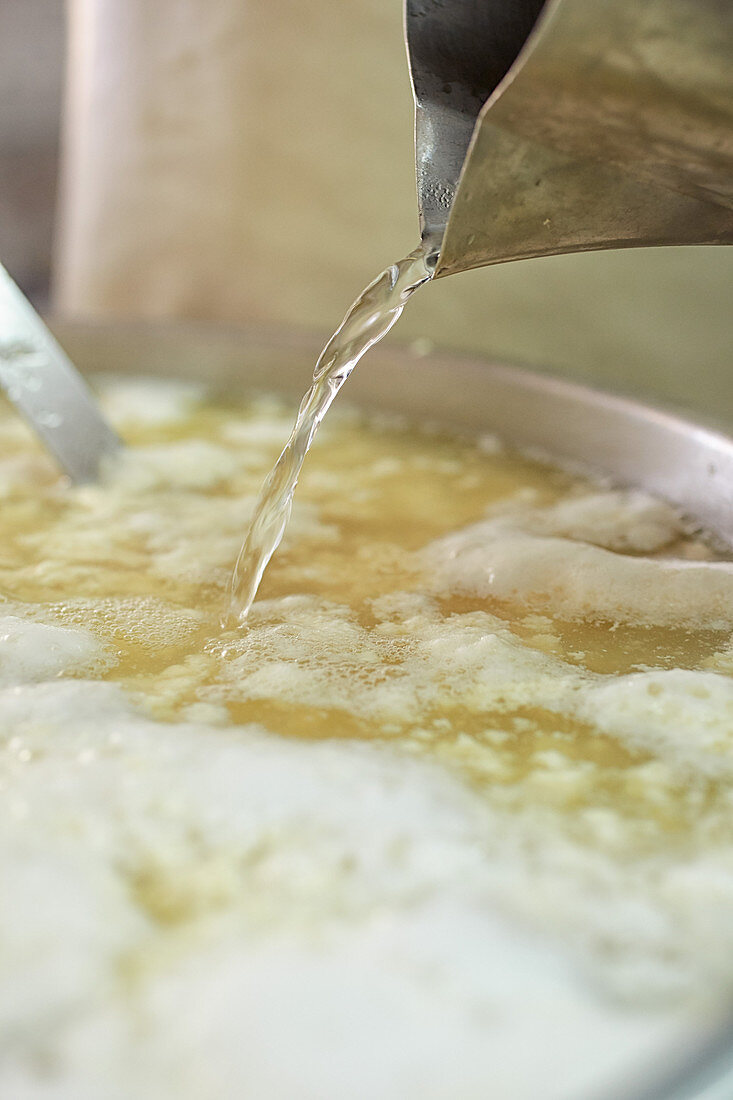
(368, 320)
(459, 792)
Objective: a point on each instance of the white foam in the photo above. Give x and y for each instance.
(625, 520)
(318, 655)
(33, 651)
(190, 464)
(511, 557)
(149, 402)
(342, 902)
(685, 716)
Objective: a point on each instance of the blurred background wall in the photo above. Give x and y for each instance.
(31, 69)
(251, 161)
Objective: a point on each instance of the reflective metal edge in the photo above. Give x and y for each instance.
(684, 461)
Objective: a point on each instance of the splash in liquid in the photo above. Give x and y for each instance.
(368, 320)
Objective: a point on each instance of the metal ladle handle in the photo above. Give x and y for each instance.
(46, 388)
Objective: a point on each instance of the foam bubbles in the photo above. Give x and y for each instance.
(232, 890)
(624, 520)
(151, 402)
(535, 556)
(679, 714)
(474, 866)
(33, 651)
(318, 655)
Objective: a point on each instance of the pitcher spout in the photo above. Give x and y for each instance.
(570, 125)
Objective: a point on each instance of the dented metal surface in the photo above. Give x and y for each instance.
(606, 124)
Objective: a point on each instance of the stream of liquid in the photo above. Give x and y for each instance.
(368, 320)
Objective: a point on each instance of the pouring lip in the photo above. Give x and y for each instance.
(447, 109)
(610, 129)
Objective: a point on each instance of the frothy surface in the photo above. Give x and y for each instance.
(450, 818)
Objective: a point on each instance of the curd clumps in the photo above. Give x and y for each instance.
(451, 817)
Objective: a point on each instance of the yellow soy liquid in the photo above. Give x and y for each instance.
(449, 816)
(142, 563)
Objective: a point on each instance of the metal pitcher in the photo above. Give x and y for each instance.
(570, 125)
